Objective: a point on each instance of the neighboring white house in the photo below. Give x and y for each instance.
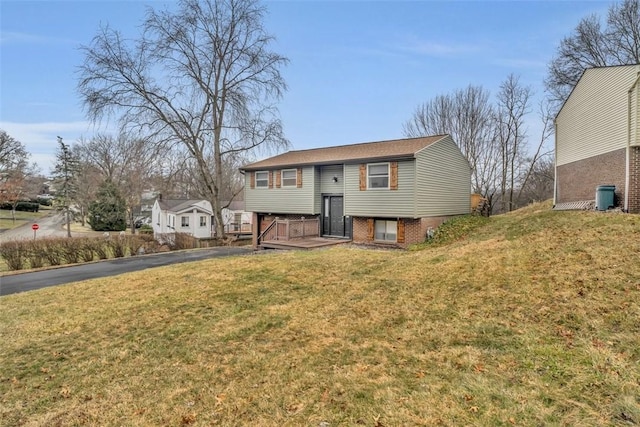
(182, 216)
(236, 219)
(195, 217)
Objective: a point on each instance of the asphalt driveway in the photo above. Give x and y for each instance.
(23, 282)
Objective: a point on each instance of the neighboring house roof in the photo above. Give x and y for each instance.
(392, 149)
(180, 205)
(236, 205)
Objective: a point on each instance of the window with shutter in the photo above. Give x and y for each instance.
(289, 178)
(262, 179)
(378, 176)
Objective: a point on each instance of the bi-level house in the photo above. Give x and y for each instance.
(387, 192)
(598, 139)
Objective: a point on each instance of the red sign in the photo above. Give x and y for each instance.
(34, 227)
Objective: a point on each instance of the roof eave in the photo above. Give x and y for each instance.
(410, 156)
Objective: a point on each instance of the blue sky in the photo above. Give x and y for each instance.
(358, 68)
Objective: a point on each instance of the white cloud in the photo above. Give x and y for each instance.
(435, 48)
(40, 139)
(7, 37)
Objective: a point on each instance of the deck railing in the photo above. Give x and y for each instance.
(291, 229)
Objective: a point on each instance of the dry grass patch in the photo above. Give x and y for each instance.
(532, 320)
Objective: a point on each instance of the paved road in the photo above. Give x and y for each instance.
(50, 226)
(41, 279)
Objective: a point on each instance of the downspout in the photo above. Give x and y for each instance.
(627, 177)
(555, 162)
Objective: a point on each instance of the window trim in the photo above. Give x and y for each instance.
(295, 178)
(384, 240)
(388, 176)
(265, 179)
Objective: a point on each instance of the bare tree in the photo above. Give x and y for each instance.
(467, 115)
(202, 77)
(511, 110)
(12, 152)
(127, 161)
(535, 183)
(591, 45)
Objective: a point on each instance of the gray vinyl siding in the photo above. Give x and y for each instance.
(284, 200)
(443, 180)
(594, 120)
(327, 185)
(317, 202)
(381, 203)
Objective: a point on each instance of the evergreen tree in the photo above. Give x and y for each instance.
(65, 174)
(109, 211)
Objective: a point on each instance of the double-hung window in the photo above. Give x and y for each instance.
(386, 231)
(203, 221)
(262, 179)
(184, 221)
(378, 175)
(289, 178)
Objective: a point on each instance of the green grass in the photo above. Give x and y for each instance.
(531, 318)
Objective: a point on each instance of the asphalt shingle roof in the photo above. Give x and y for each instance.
(392, 149)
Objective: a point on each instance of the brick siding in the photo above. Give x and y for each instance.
(415, 230)
(634, 180)
(577, 181)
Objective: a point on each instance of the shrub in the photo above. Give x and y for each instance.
(55, 252)
(101, 248)
(87, 247)
(183, 241)
(36, 253)
(134, 243)
(145, 229)
(14, 253)
(118, 246)
(71, 249)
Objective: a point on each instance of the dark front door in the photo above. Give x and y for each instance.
(333, 224)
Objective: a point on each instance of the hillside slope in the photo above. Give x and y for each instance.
(530, 318)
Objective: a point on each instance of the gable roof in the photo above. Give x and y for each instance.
(368, 151)
(179, 205)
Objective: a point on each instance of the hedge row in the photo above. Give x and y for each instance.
(22, 206)
(20, 254)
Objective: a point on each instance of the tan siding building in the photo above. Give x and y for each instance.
(597, 137)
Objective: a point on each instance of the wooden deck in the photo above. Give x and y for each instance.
(306, 243)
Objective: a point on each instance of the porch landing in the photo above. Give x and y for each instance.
(306, 243)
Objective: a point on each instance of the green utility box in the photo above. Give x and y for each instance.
(605, 195)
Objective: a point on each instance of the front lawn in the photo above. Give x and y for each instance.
(530, 319)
